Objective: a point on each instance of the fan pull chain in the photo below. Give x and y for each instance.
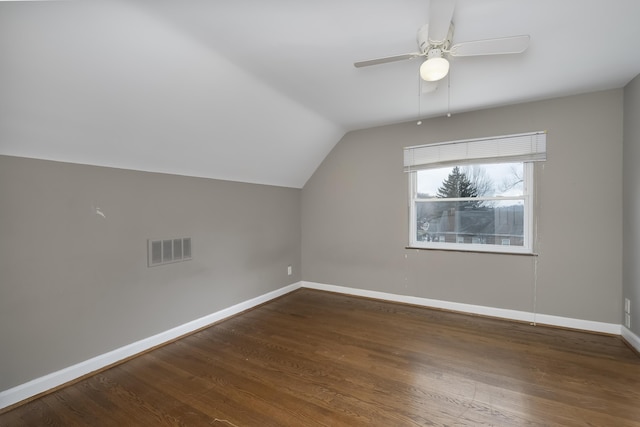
(449, 95)
(419, 122)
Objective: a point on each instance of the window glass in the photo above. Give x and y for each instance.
(472, 207)
(493, 180)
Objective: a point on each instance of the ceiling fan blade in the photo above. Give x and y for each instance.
(500, 46)
(440, 14)
(386, 59)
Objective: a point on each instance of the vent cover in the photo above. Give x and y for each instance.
(166, 251)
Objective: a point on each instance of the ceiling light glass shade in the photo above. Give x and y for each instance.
(433, 69)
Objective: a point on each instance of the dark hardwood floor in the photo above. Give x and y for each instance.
(314, 358)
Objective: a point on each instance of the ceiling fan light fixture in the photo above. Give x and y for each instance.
(434, 69)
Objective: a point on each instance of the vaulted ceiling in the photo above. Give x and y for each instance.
(261, 90)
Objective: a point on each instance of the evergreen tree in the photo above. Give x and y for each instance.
(458, 185)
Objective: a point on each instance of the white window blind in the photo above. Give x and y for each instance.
(524, 147)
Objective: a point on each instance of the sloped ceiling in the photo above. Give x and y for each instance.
(260, 91)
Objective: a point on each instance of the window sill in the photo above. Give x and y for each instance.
(473, 251)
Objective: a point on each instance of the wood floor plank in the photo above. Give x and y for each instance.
(315, 358)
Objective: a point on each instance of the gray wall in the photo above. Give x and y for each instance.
(354, 214)
(631, 187)
(74, 285)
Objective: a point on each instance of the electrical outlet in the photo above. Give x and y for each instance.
(289, 270)
(627, 305)
(627, 320)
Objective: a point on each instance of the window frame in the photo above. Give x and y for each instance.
(528, 212)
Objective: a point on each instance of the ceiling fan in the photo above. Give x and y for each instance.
(434, 43)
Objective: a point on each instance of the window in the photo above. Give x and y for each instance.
(475, 194)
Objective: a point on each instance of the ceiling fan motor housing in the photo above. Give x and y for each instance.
(427, 45)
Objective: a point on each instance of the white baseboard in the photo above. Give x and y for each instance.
(542, 319)
(55, 379)
(580, 324)
(631, 338)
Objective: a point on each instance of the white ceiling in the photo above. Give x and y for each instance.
(261, 90)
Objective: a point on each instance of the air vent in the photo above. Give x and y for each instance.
(166, 251)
